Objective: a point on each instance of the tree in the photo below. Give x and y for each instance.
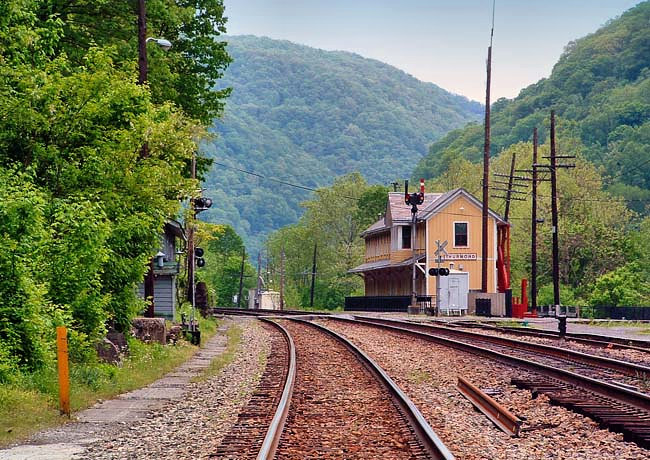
(333, 219)
(80, 209)
(186, 75)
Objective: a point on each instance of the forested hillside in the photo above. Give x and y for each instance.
(305, 116)
(599, 88)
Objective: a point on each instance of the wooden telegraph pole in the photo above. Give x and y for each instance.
(486, 168)
(533, 231)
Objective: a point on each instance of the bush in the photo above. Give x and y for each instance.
(624, 286)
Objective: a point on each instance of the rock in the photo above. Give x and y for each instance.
(175, 332)
(119, 340)
(149, 330)
(108, 352)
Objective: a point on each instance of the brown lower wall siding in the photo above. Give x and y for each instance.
(392, 282)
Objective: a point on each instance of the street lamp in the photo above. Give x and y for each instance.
(164, 44)
(143, 40)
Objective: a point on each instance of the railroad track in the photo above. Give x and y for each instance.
(259, 425)
(615, 406)
(260, 312)
(616, 372)
(587, 339)
(340, 404)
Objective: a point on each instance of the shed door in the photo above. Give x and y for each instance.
(454, 292)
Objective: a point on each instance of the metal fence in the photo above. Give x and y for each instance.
(385, 303)
(628, 313)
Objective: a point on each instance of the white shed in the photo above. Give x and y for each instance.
(453, 292)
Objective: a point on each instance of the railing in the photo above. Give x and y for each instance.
(385, 303)
(628, 313)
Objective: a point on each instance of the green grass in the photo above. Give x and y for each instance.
(29, 402)
(419, 377)
(621, 323)
(509, 324)
(234, 341)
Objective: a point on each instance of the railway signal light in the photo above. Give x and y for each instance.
(413, 199)
(198, 257)
(201, 204)
(439, 271)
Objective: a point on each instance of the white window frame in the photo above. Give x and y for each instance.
(400, 239)
(454, 232)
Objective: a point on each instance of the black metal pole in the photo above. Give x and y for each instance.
(533, 231)
(282, 279)
(313, 279)
(241, 276)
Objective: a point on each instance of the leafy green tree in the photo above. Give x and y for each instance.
(223, 254)
(333, 220)
(624, 286)
(600, 91)
(80, 209)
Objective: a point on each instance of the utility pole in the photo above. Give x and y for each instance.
(556, 257)
(554, 166)
(509, 193)
(486, 169)
(142, 42)
(149, 280)
(282, 279)
(241, 276)
(258, 290)
(533, 232)
(313, 279)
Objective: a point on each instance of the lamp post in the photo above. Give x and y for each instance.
(149, 280)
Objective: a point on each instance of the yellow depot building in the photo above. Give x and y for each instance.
(454, 217)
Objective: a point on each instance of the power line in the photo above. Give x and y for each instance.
(273, 179)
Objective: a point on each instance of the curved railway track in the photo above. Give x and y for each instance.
(323, 397)
(587, 339)
(261, 312)
(613, 371)
(614, 406)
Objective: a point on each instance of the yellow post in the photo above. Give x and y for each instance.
(64, 377)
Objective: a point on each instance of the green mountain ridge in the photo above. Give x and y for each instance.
(600, 91)
(305, 115)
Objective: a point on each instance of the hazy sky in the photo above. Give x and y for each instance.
(440, 41)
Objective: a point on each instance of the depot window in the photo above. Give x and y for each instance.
(406, 237)
(460, 234)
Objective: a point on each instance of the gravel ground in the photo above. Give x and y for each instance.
(428, 373)
(632, 356)
(193, 427)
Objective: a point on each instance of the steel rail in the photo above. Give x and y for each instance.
(622, 394)
(274, 433)
(604, 341)
(426, 435)
(624, 367)
(262, 312)
(498, 414)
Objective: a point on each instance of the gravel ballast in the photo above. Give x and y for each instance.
(428, 373)
(193, 427)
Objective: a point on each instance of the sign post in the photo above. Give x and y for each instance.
(64, 377)
(440, 253)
